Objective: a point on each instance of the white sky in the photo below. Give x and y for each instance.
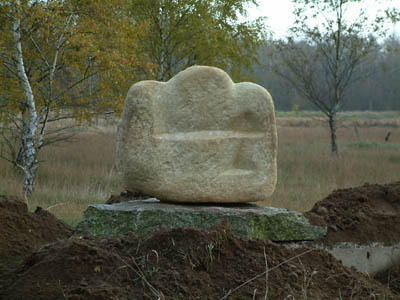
(280, 16)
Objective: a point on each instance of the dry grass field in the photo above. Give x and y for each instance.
(78, 173)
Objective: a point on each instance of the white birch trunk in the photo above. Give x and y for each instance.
(162, 50)
(29, 165)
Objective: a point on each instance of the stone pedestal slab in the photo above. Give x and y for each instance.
(246, 220)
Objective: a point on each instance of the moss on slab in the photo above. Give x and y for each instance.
(146, 216)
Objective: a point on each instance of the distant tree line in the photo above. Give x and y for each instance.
(379, 90)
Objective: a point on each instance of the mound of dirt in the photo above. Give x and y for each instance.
(370, 213)
(185, 264)
(39, 259)
(22, 232)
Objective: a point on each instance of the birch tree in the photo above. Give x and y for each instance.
(31, 121)
(182, 33)
(327, 61)
(48, 52)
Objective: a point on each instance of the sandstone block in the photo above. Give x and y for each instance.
(198, 138)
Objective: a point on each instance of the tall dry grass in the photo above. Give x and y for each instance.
(78, 173)
(307, 172)
(73, 174)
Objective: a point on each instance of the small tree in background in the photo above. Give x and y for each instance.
(327, 61)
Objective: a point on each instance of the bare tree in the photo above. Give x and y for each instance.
(322, 61)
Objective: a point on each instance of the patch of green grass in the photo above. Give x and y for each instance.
(367, 145)
(378, 115)
(395, 159)
(341, 115)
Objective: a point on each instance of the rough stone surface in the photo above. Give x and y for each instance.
(246, 220)
(198, 138)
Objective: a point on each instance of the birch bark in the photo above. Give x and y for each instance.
(163, 34)
(31, 119)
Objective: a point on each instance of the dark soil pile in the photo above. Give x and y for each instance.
(22, 232)
(185, 264)
(196, 264)
(370, 213)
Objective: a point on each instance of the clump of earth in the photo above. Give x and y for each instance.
(370, 213)
(23, 232)
(41, 258)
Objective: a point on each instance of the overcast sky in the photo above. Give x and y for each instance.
(280, 17)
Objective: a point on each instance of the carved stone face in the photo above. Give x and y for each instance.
(198, 138)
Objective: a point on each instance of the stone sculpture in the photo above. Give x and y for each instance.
(198, 138)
